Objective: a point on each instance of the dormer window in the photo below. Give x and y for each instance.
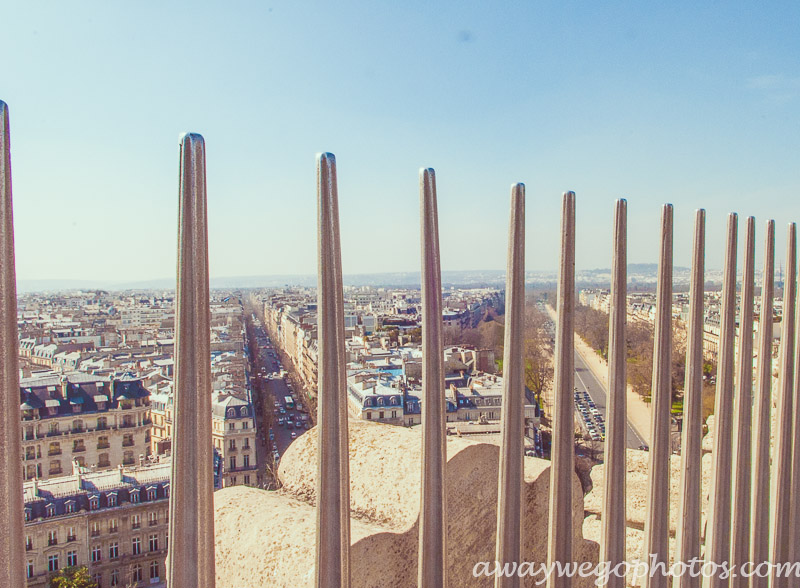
(28, 514)
(134, 495)
(231, 413)
(69, 506)
(166, 490)
(151, 494)
(112, 498)
(94, 503)
(50, 510)
(244, 411)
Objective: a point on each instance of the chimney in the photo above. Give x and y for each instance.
(36, 486)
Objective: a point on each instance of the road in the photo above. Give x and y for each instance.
(275, 434)
(585, 380)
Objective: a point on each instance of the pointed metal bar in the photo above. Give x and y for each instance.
(433, 508)
(562, 467)
(191, 503)
(759, 512)
(333, 470)
(12, 562)
(742, 415)
(781, 481)
(656, 527)
(718, 532)
(512, 450)
(612, 545)
(688, 532)
(794, 492)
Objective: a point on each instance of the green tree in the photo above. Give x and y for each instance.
(72, 577)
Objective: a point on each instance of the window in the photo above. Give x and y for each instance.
(27, 514)
(52, 537)
(136, 573)
(103, 461)
(232, 427)
(154, 571)
(233, 462)
(69, 506)
(112, 498)
(30, 569)
(72, 558)
(247, 480)
(232, 413)
(134, 494)
(153, 516)
(97, 578)
(96, 555)
(244, 424)
(369, 416)
(127, 458)
(94, 503)
(151, 494)
(232, 445)
(71, 534)
(50, 510)
(113, 526)
(95, 529)
(136, 521)
(246, 461)
(154, 542)
(102, 443)
(166, 539)
(137, 545)
(247, 443)
(113, 550)
(52, 563)
(114, 577)
(28, 543)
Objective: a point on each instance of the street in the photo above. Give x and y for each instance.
(279, 410)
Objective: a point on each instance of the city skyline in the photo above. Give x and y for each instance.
(689, 105)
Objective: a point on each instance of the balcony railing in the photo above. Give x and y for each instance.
(103, 445)
(52, 452)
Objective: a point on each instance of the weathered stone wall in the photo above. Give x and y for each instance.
(267, 538)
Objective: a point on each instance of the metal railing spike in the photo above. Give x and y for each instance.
(718, 531)
(512, 450)
(333, 469)
(781, 480)
(12, 561)
(742, 415)
(191, 503)
(688, 531)
(656, 526)
(562, 466)
(612, 538)
(759, 496)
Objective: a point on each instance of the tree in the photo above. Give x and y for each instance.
(72, 577)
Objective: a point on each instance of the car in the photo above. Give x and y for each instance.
(294, 435)
(282, 410)
(289, 424)
(280, 420)
(271, 436)
(306, 425)
(644, 448)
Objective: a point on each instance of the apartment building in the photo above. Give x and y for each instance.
(94, 421)
(115, 523)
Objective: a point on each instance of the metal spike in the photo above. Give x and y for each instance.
(562, 467)
(794, 492)
(718, 533)
(742, 414)
(759, 512)
(12, 561)
(333, 470)
(781, 482)
(612, 545)
(688, 532)
(433, 508)
(191, 522)
(656, 528)
(512, 450)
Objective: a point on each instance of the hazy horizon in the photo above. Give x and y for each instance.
(677, 103)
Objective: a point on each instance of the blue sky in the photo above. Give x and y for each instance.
(655, 102)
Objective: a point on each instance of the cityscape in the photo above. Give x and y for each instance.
(348, 369)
